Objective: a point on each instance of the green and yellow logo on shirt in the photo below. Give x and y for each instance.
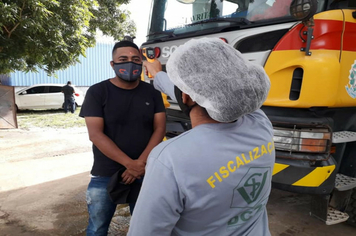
(251, 194)
(252, 187)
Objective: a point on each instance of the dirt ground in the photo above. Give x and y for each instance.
(44, 175)
(45, 172)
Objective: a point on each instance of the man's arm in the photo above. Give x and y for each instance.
(95, 126)
(159, 130)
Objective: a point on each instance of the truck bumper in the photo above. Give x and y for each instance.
(302, 177)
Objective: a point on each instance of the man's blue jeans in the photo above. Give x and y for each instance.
(69, 104)
(100, 207)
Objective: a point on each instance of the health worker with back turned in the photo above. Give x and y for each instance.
(214, 179)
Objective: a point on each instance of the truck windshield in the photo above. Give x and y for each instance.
(170, 18)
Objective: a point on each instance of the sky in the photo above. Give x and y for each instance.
(140, 10)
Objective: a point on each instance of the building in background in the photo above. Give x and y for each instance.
(93, 68)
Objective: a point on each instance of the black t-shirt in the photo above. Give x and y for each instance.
(128, 119)
(68, 91)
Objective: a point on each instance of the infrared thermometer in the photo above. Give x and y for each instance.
(149, 55)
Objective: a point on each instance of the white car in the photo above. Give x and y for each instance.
(44, 96)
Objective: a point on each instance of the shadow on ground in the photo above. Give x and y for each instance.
(55, 208)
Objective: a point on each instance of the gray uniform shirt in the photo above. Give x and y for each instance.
(164, 84)
(212, 180)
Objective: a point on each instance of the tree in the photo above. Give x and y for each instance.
(52, 34)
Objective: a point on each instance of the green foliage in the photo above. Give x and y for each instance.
(52, 34)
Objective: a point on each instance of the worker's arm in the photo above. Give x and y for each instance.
(164, 84)
(153, 67)
(95, 126)
(159, 204)
(161, 81)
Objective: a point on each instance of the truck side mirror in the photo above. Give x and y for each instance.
(304, 10)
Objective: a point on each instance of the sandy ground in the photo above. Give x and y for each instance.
(44, 175)
(45, 172)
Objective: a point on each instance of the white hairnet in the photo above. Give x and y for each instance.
(218, 78)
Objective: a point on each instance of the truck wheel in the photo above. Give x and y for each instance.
(351, 209)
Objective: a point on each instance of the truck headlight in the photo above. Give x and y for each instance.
(314, 140)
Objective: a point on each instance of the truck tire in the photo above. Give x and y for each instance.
(351, 209)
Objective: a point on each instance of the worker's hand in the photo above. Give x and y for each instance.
(136, 168)
(127, 178)
(153, 67)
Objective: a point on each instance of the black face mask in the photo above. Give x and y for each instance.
(185, 109)
(128, 71)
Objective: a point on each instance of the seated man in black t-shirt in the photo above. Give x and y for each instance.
(126, 119)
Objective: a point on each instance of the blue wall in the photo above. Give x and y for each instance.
(95, 67)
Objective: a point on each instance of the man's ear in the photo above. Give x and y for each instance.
(187, 99)
(112, 64)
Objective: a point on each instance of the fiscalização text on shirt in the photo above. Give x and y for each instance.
(233, 165)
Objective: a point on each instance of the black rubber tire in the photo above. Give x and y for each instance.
(351, 209)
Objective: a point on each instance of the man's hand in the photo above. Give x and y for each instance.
(136, 168)
(127, 178)
(153, 68)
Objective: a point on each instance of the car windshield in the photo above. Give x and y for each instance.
(172, 18)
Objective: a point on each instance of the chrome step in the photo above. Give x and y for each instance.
(344, 137)
(335, 216)
(344, 182)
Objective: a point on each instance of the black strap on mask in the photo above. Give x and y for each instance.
(185, 109)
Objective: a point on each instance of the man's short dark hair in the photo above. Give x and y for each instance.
(68, 83)
(124, 43)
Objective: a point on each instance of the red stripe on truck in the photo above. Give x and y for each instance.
(327, 36)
